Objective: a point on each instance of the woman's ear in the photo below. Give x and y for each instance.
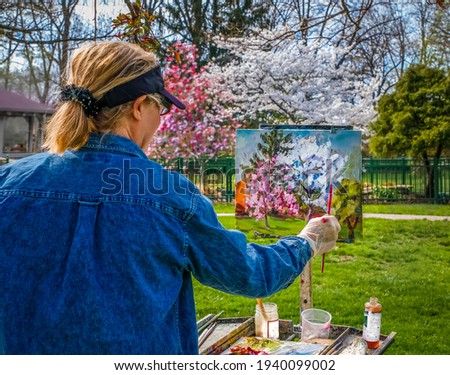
(137, 107)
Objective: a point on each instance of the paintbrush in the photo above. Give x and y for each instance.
(261, 307)
(208, 330)
(206, 333)
(330, 197)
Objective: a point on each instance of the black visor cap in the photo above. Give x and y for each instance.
(150, 82)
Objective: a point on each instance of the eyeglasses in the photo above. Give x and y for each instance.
(166, 106)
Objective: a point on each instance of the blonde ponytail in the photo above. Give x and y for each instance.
(98, 68)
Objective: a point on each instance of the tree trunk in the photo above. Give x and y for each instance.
(266, 221)
(65, 33)
(8, 66)
(429, 184)
(351, 225)
(429, 193)
(266, 215)
(197, 30)
(429, 166)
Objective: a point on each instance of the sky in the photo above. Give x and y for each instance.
(85, 9)
(112, 8)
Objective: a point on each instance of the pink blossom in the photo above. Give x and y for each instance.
(266, 197)
(206, 128)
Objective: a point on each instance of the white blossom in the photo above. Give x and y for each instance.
(309, 84)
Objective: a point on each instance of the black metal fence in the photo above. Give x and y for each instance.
(384, 180)
(406, 180)
(215, 176)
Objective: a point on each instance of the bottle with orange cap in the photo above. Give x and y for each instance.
(372, 323)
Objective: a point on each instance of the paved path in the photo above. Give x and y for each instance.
(386, 216)
(406, 217)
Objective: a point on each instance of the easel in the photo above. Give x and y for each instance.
(306, 300)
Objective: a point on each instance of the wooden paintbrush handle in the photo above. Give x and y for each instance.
(261, 307)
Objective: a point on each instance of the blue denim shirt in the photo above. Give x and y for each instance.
(97, 249)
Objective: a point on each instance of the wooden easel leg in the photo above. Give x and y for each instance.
(306, 301)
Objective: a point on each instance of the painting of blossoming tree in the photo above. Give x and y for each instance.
(284, 177)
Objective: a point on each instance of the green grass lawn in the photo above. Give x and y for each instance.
(411, 209)
(403, 263)
(224, 207)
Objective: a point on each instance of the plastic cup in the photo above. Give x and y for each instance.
(316, 324)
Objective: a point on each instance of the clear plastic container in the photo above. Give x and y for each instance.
(316, 324)
(267, 323)
(372, 323)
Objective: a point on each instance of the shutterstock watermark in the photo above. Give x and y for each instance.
(132, 180)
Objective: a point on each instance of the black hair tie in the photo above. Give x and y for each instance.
(82, 96)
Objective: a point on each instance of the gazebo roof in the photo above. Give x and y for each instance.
(13, 103)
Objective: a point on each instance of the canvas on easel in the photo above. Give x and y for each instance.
(284, 174)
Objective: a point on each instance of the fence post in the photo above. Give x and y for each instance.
(229, 180)
(371, 171)
(436, 180)
(403, 171)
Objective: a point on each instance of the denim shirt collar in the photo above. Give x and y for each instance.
(113, 143)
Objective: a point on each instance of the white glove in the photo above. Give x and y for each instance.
(321, 233)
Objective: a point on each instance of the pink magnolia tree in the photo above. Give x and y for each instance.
(270, 193)
(206, 128)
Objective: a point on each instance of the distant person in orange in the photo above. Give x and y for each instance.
(241, 196)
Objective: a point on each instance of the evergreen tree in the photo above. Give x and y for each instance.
(272, 143)
(197, 21)
(414, 120)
